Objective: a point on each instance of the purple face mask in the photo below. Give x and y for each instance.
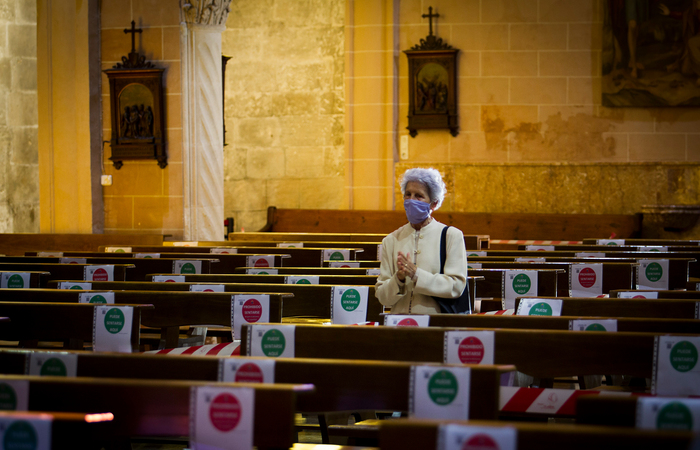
(416, 210)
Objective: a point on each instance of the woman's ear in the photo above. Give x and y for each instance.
(433, 205)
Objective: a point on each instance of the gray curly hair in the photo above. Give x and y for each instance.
(430, 178)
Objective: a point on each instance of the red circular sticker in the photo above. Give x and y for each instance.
(100, 275)
(471, 350)
(407, 322)
(225, 412)
(639, 296)
(73, 262)
(480, 442)
(587, 277)
(345, 267)
(170, 281)
(208, 290)
(261, 262)
(252, 310)
(249, 373)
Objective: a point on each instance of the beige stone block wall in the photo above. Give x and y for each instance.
(19, 173)
(144, 197)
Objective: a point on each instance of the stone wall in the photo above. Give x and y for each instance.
(284, 107)
(19, 175)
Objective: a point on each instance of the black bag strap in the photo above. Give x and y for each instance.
(443, 249)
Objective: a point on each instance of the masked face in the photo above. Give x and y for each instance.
(417, 202)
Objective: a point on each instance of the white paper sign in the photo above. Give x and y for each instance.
(586, 280)
(186, 244)
(251, 308)
(262, 271)
(15, 280)
(192, 267)
(168, 278)
(677, 414)
(610, 242)
(14, 395)
(652, 248)
(467, 437)
(380, 249)
(271, 340)
(224, 251)
(471, 253)
(111, 331)
(539, 248)
(332, 254)
(653, 274)
(469, 347)
(50, 254)
(406, 320)
(437, 392)
(147, 255)
(28, 432)
(345, 264)
(301, 279)
(593, 325)
(637, 294)
(374, 272)
(349, 304)
(53, 364)
(96, 297)
(72, 260)
(260, 262)
(247, 370)
(531, 259)
(539, 307)
(221, 418)
(75, 286)
(676, 368)
(98, 273)
(290, 245)
(474, 265)
(519, 283)
(117, 250)
(590, 255)
(207, 288)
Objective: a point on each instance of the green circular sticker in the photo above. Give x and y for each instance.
(119, 250)
(540, 309)
(443, 387)
(337, 256)
(273, 343)
(303, 281)
(350, 300)
(473, 254)
(8, 398)
(148, 257)
(263, 273)
(521, 283)
(611, 243)
(684, 356)
(98, 299)
(595, 327)
(15, 282)
(188, 268)
(654, 272)
(114, 320)
(674, 416)
(76, 288)
(53, 367)
(20, 435)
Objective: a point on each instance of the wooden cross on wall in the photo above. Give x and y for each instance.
(430, 16)
(134, 30)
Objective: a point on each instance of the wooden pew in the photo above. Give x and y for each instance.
(340, 280)
(16, 244)
(661, 294)
(628, 307)
(162, 407)
(607, 410)
(62, 271)
(36, 279)
(645, 241)
(494, 282)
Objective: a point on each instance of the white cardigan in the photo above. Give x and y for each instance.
(416, 297)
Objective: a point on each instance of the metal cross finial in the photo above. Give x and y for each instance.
(430, 16)
(133, 32)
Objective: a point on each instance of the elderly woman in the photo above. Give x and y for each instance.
(410, 269)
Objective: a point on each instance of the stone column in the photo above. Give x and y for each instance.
(201, 25)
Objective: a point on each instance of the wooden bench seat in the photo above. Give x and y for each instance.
(661, 294)
(494, 282)
(36, 279)
(226, 278)
(646, 241)
(16, 244)
(628, 307)
(62, 271)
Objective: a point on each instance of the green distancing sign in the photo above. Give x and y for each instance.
(350, 300)
(53, 367)
(15, 282)
(20, 435)
(595, 327)
(273, 343)
(540, 309)
(303, 281)
(443, 387)
(8, 398)
(654, 272)
(98, 299)
(674, 416)
(684, 356)
(188, 268)
(337, 256)
(76, 288)
(114, 320)
(521, 283)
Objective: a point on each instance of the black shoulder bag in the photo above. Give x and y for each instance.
(461, 304)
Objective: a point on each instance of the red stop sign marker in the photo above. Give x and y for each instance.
(639, 296)
(261, 262)
(249, 373)
(208, 290)
(480, 442)
(100, 275)
(471, 350)
(251, 310)
(407, 322)
(225, 412)
(587, 277)
(170, 281)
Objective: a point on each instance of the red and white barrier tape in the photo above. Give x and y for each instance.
(530, 242)
(224, 349)
(544, 401)
(502, 312)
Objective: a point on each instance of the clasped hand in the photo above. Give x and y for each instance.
(406, 268)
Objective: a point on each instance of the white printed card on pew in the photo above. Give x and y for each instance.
(345, 264)
(111, 330)
(517, 284)
(653, 274)
(479, 253)
(187, 267)
(539, 248)
(53, 364)
(260, 262)
(676, 371)
(14, 395)
(74, 286)
(461, 437)
(301, 279)
(331, 254)
(15, 280)
(223, 251)
(469, 347)
(349, 304)
(638, 294)
(147, 255)
(106, 297)
(374, 272)
(247, 370)
(407, 320)
(26, 432)
(221, 418)
(50, 254)
(652, 248)
(586, 280)
(593, 325)
(251, 308)
(262, 271)
(290, 245)
(439, 393)
(539, 307)
(271, 340)
(72, 260)
(168, 279)
(117, 250)
(98, 273)
(610, 242)
(668, 414)
(207, 288)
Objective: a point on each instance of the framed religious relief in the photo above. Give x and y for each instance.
(432, 84)
(136, 107)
